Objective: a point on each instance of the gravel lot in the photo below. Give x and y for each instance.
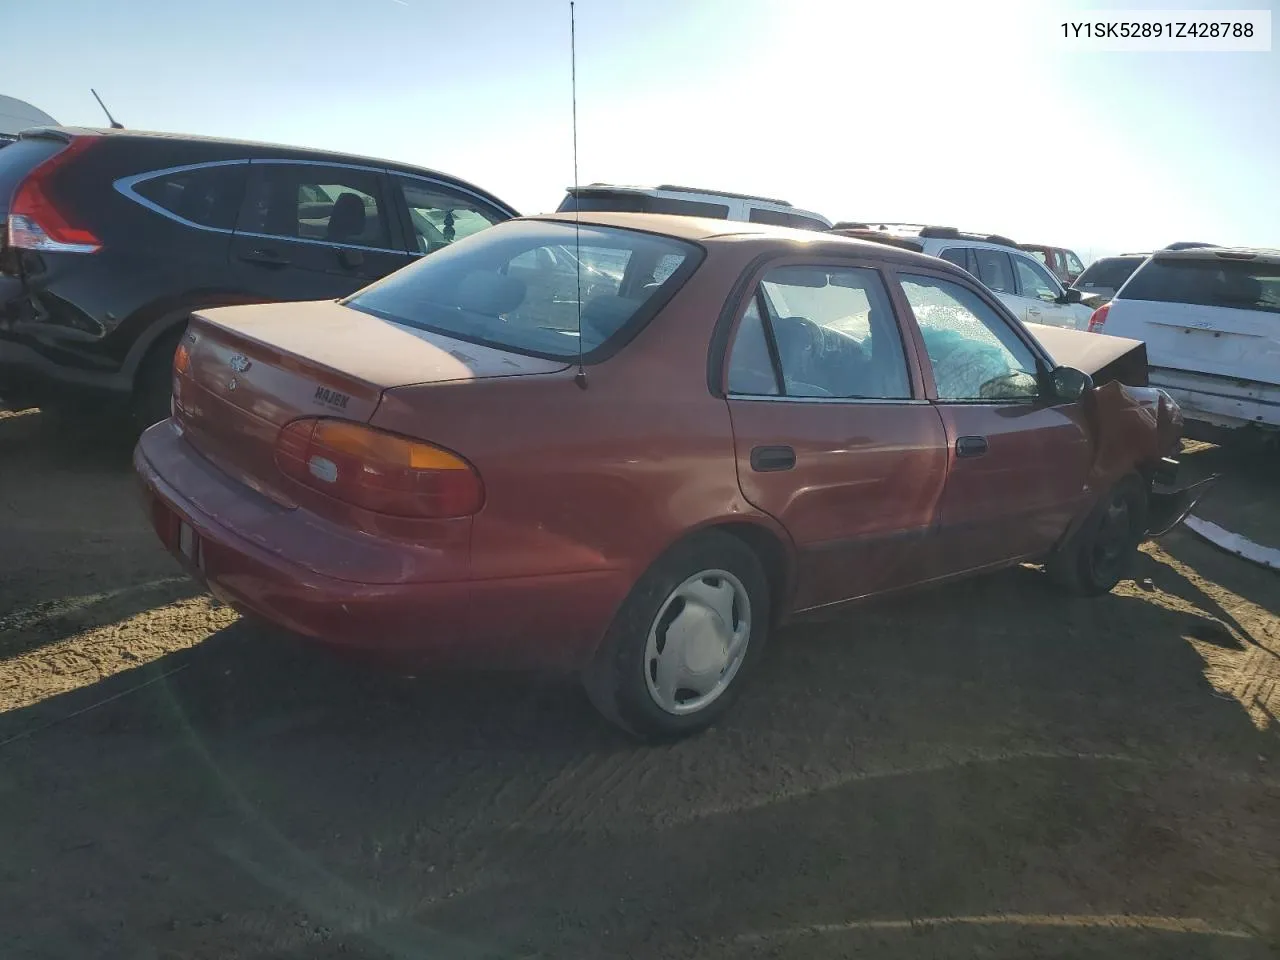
(983, 770)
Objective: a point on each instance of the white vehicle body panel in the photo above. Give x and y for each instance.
(1222, 364)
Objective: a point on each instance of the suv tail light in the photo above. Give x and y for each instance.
(1099, 317)
(378, 471)
(36, 221)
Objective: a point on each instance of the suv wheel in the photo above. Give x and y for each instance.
(153, 388)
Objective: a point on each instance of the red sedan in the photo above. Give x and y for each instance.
(630, 447)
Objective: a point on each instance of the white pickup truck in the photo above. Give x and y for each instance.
(1211, 320)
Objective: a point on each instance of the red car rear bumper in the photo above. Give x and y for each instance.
(551, 620)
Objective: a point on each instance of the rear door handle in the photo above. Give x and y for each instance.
(971, 446)
(767, 459)
(268, 258)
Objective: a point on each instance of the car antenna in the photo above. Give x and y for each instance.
(580, 378)
(115, 125)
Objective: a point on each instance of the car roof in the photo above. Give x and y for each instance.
(1237, 254)
(707, 229)
(310, 153)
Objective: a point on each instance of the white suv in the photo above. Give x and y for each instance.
(1023, 283)
(690, 202)
(1211, 320)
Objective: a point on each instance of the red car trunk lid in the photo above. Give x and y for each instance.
(253, 369)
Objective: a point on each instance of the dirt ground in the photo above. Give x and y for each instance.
(983, 770)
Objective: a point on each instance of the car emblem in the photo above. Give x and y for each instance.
(239, 362)
(232, 384)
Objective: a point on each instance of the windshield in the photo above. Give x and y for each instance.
(1239, 284)
(536, 287)
(1112, 272)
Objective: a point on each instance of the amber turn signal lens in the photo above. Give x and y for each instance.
(378, 471)
(182, 359)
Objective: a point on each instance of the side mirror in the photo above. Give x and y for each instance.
(1069, 384)
(1070, 295)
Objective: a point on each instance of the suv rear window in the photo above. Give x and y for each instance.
(1239, 284)
(1111, 272)
(19, 159)
(515, 286)
(624, 202)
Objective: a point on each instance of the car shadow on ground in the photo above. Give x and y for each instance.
(986, 768)
(77, 551)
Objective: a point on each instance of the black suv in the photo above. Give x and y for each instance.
(115, 236)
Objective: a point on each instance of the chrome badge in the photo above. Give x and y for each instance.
(239, 362)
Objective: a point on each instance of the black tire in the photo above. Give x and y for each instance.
(153, 387)
(1101, 551)
(616, 680)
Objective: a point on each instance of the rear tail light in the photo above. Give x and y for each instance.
(378, 471)
(1099, 318)
(37, 222)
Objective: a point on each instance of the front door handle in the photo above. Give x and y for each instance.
(767, 459)
(265, 257)
(971, 446)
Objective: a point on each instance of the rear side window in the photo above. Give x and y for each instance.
(994, 269)
(207, 196)
(1238, 284)
(19, 159)
(1111, 272)
(623, 202)
(834, 332)
(517, 286)
(315, 202)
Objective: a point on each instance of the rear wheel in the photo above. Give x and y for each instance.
(153, 388)
(684, 641)
(1102, 550)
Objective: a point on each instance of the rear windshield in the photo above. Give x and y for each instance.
(516, 286)
(1239, 284)
(19, 159)
(623, 202)
(1112, 272)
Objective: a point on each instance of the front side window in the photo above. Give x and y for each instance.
(516, 286)
(314, 202)
(834, 332)
(208, 196)
(440, 216)
(994, 269)
(974, 353)
(1074, 266)
(1034, 280)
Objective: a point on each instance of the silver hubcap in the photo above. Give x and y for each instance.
(697, 642)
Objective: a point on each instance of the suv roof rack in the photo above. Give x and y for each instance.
(925, 231)
(722, 193)
(673, 188)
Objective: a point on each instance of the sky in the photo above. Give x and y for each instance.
(963, 114)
